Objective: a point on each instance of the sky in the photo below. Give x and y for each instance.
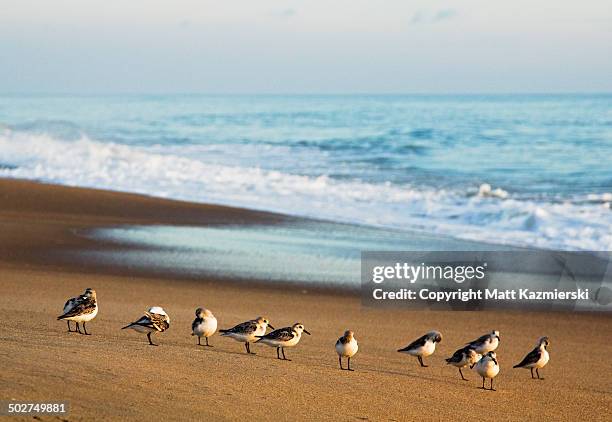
(305, 46)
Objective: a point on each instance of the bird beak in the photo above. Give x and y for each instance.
(498, 338)
(306, 332)
(271, 327)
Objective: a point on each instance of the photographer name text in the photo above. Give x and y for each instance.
(479, 294)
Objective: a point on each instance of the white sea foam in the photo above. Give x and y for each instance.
(491, 216)
(486, 190)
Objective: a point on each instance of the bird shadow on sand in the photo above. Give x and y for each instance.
(357, 368)
(215, 349)
(414, 375)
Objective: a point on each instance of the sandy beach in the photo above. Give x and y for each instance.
(114, 374)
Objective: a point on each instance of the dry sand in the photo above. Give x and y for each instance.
(114, 374)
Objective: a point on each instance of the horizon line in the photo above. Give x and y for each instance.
(305, 94)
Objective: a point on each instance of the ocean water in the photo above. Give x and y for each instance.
(518, 170)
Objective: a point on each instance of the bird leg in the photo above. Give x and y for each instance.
(150, 341)
(278, 353)
(284, 357)
(85, 329)
(78, 328)
(532, 373)
(199, 344)
(248, 348)
(462, 377)
(349, 365)
(538, 374)
(483, 387)
(209, 345)
(340, 361)
(421, 362)
(492, 389)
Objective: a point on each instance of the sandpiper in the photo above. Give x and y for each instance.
(247, 332)
(487, 367)
(155, 320)
(71, 303)
(346, 346)
(204, 325)
(283, 337)
(423, 346)
(462, 358)
(486, 343)
(537, 358)
(84, 309)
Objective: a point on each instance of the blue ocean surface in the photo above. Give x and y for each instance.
(518, 170)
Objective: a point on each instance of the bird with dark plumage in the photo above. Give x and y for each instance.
(248, 332)
(155, 320)
(81, 309)
(462, 358)
(283, 337)
(486, 343)
(423, 346)
(71, 303)
(537, 358)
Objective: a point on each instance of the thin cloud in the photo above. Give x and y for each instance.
(425, 17)
(444, 14)
(285, 13)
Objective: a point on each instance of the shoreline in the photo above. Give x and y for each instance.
(53, 216)
(114, 374)
(62, 219)
(44, 240)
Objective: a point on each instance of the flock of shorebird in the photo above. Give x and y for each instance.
(478, 354)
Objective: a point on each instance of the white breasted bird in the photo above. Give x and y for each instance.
(71, 303)
(346, 347)
(488, 367)
(81, 309)
(248, 332)
(155, 320)
(204, 325)
(462, 358)
(423, 346)
(283, 337)
(486, 343)
(537, 358)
